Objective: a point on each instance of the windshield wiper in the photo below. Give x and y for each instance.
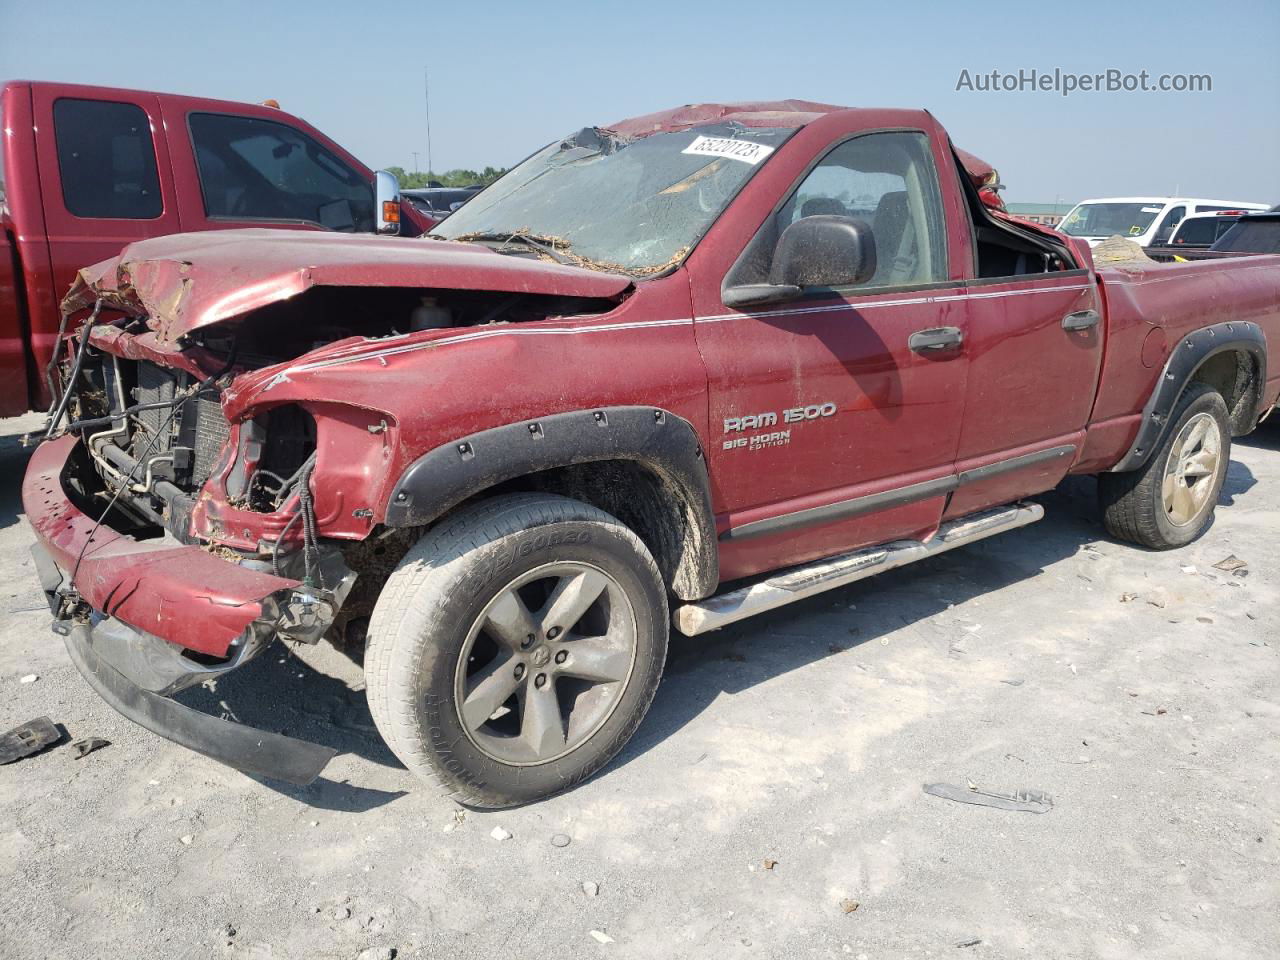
(558, 249)
(554, 247)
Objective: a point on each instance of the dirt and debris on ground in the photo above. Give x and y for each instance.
(803, 736)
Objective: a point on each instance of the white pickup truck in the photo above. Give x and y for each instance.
(1148, 221)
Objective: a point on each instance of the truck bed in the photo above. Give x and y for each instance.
(1151, 307)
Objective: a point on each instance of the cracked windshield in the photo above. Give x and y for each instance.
(624, 206)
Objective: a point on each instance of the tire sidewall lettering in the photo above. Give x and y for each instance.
(532, 543)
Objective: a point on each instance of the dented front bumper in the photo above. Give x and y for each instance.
(120, 664)
(180, 593)
(132, 612)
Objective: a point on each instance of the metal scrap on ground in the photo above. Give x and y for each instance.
(1026, 801)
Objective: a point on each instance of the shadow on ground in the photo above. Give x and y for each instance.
(290, 697)
(699, 669)
(1266, 437)
(1239, 480)
(13, 464)
(283, 693)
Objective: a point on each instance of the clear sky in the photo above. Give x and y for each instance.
(508, 77)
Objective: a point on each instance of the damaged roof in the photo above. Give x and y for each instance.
(750, 113)
(762, 113)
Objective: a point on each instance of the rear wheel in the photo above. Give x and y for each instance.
(516, 648)
(1169, 501)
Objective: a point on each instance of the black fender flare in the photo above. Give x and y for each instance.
(1191, 353)
(657, 439)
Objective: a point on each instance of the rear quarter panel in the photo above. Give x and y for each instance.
(1149, 309)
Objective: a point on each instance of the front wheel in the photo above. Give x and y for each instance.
(516, 648)
(1169, 501)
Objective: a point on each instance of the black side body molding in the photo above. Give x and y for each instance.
(1188, 357)
(657, 439)
(897, 497)
(1016, 463)
(843, 510)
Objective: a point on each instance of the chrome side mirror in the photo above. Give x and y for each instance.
(386, 195)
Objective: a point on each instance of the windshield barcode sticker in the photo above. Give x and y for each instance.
(743, 150)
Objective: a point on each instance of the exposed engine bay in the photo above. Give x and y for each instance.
(154, 433)
(157, 432)
(320, 316)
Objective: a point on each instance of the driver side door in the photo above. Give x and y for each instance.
(835, 418)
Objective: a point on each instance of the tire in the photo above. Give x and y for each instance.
(1139, 506)
(494, 597)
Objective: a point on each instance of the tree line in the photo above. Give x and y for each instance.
(450, 178)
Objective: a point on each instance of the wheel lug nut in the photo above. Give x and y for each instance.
(553, 633)
(519, 670)
(527, 642)
(540, 680)
(562, 656)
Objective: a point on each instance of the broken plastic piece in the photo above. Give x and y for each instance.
(87, 745)
(28, 738)
(1233, 565)
(1026, 801)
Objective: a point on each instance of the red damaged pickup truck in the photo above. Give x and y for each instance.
(85, 170)
(684, 368)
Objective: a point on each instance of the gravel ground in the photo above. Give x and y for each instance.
(775, 784)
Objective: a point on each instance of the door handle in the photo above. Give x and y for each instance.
(935, 338)
(1081, 320)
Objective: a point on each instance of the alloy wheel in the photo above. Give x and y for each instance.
(545, 663)
(1194, 460)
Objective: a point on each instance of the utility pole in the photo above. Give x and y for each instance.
(415, 160)
(426, 91)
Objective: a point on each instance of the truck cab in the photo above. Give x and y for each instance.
(87, 170)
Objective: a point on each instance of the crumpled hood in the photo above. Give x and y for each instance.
(189, 281)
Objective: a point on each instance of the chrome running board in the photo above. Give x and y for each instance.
(797, 583)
